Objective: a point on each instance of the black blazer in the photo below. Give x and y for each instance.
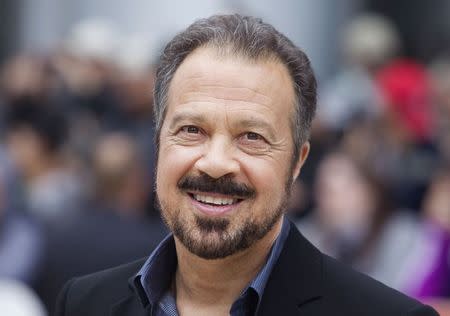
(303, 282)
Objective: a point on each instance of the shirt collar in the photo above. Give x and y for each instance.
(155, 276)
(260, 281)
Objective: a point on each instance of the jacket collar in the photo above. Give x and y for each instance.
(129, 306)
(296, 280)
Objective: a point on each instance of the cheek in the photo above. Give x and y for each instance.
(268, 177)
(173, 163)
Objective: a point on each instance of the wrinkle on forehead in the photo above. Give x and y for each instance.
(199, 74)
(221, 92)
(225, 98)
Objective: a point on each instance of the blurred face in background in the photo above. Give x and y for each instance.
(345, 199)
(122, 181)
(437, 200)
(224, 166)
(83, 76)
(26, 149)
(134, 88)
(25, 78)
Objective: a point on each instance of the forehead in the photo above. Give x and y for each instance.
(232, 79)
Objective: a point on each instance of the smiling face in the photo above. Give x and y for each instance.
(225, 158)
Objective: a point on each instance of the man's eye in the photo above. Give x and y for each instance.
(253, 143)
(253, 136)
(190, 129)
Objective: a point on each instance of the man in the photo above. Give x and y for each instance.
(234, 100)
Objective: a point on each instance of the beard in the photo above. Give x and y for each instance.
(217, 238)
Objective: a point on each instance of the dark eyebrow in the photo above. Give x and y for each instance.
(192, 117)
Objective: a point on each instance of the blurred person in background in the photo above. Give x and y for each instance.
(436, 212)
(25, 81)
(347, 201)
(21, 238)
(367, 43)
(354, 222)
(118, 226)
(407, 155)
(86, 66)
(17, 299)
(122, 182)
(35, 139)
(105, 84)
(86, 73)
(134, 86)
(440, 75)
(437, 201)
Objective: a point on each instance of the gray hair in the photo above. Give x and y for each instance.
(248, 37)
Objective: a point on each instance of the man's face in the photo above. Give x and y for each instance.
(225, 159)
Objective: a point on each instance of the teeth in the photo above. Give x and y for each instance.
(214, 200)
(209, 199)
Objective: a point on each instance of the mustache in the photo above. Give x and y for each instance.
(223, 185)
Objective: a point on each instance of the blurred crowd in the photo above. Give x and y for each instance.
(376, 189)
(76, 159)
(77, 163)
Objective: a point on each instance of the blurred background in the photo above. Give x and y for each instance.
(77, 155)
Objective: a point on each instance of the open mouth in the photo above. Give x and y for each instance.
(214, 199)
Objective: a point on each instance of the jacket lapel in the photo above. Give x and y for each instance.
(296, 279)
(129, 306)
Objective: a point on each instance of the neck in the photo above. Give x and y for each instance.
(219, 282)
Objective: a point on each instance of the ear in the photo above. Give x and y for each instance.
(303, 154)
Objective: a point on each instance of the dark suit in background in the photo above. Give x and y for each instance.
(90, 242)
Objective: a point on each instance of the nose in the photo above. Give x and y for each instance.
(217, 159)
